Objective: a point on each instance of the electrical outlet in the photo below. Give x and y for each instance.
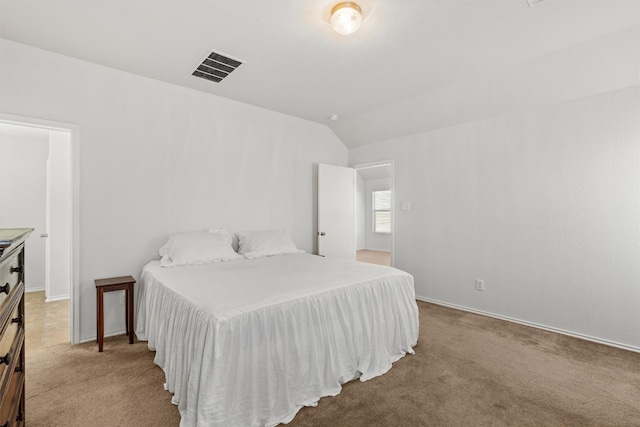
(479, 285)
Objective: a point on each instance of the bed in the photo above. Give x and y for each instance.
(249, 342)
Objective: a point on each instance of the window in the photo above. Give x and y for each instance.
(382, 211)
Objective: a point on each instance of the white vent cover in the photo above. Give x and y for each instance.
(534, 2)
(216, 67)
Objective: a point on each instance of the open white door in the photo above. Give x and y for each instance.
(336, 233)
(59, 220)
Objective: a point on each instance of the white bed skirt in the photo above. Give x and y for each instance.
(259, 367)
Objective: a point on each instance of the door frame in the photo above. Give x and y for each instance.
(393, 195)
(74, 131)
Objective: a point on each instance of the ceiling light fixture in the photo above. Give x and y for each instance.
(346, 18)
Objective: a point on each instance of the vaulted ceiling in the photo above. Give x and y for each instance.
(402, 58)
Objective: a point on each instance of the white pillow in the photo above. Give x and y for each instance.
(256, 244)
(197, 247)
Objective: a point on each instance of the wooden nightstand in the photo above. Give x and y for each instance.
(123, 283)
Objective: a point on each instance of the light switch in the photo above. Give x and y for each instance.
(406, 206)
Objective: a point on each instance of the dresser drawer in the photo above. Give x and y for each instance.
(10, 275)
(11, 345)
(11, 412)
(12, 378)
(10, 333)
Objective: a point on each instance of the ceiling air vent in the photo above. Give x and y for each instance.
(534, 2)
(216, 67)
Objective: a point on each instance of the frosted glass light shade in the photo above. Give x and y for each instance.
(346, 18)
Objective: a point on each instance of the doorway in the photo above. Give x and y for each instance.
(355, 212)
(45, 153)
(374, 212)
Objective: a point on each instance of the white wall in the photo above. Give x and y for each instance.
(23, 187)
(542, 204)
(157, 158)
(375, 241)
(542, 201)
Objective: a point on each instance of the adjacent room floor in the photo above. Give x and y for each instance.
(46, 323)
(374, 257)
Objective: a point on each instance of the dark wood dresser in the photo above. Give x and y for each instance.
(12, 326)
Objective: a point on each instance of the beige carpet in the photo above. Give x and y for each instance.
(468, 370)
(79, 387)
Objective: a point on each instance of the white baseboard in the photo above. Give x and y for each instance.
(111, 334)
(534, 325)
(57, 298)
(48, 299)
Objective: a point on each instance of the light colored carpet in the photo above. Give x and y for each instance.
(75, 386)
(468, 370)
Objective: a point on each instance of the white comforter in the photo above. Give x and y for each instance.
(249, 342)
